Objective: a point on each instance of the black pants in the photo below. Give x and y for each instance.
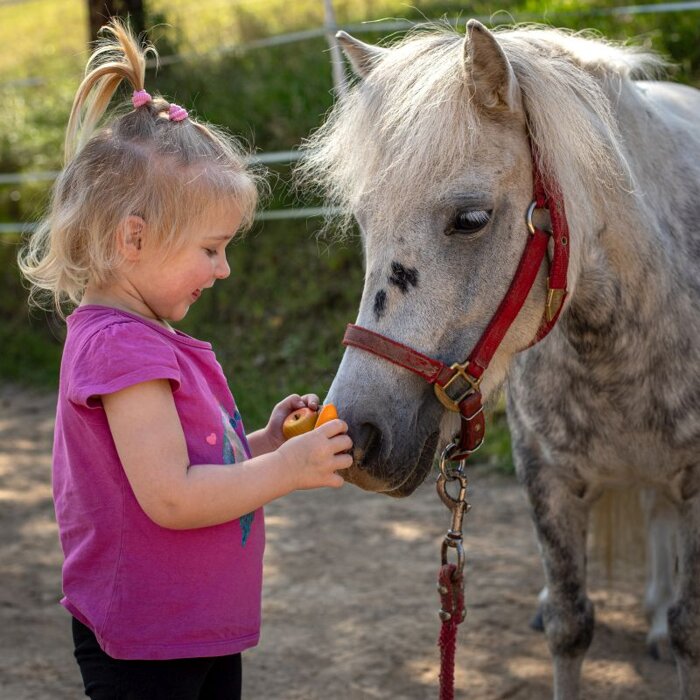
(105, 678)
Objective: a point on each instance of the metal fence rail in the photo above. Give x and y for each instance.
(15, 228)
(50, 175)
(269, 215)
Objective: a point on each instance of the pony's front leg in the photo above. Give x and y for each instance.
(561, 517)
(684, 614)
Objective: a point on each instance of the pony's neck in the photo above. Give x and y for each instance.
(628, 269)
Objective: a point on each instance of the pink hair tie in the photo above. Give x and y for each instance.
(177, 113)
(140, 98)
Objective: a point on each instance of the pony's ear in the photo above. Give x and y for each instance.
(492, 79)
(362, 57)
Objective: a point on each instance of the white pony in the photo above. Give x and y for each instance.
(432, 153)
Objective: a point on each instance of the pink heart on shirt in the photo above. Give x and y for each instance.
(211, 439)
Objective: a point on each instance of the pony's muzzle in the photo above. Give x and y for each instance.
(367, 445)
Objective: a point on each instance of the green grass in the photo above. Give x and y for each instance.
(43, 37)
(30, 342)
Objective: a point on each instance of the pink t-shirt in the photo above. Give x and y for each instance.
(148, 592)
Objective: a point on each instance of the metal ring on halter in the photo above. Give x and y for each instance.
(545, 222)
(528, 216)
(451, 474)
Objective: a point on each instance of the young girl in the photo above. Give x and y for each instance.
(158, 490)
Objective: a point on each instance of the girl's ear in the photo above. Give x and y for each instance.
(130, 237)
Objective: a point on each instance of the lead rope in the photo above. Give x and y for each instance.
(451, 576)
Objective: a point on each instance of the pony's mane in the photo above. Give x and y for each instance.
(408, 128)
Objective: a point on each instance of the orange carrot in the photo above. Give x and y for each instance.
(328, 412)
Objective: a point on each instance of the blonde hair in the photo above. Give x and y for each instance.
(139, 162)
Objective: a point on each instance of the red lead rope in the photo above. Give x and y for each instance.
(451, 588)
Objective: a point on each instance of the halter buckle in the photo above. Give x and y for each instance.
(441, 391)
(555, 298)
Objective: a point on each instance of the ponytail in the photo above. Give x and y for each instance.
(115, 60)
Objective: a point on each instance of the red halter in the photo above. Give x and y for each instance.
(457, 386)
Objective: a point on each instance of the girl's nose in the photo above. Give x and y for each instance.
(222, 269)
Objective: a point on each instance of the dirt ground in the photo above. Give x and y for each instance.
(350, 606)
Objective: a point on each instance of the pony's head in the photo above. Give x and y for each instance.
(430, 152)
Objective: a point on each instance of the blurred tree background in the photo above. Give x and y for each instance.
(276, 323)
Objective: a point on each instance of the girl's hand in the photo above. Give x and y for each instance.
(273, 430)
(314, 457)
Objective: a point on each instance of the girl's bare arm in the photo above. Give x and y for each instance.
(151, 445)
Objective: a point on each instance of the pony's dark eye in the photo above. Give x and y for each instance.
(469, 221)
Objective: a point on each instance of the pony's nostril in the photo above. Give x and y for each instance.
(367, 444)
